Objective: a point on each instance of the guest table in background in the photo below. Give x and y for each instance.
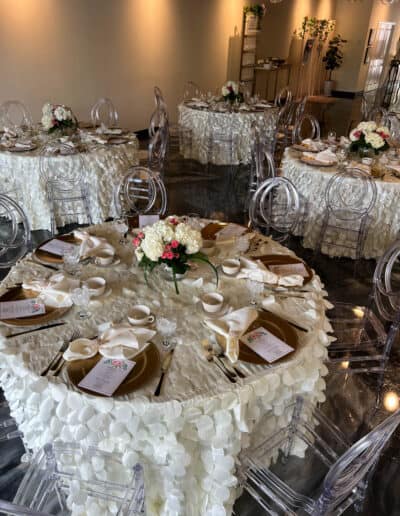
(201, 421)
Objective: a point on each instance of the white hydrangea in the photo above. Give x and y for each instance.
(374, 140)
(47, 121)
(367, 127)
(61, 113)
(224, 91)
(383, 129)
(163, 229)
(47, 109)
(152, 246)
(234, 86)
(189, 237)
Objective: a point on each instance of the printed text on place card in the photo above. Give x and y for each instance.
(265, 344)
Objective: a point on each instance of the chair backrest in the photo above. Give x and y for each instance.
(158, 148)
(393, 124)
(141, 191)
(14, 114)
(15, 234)
(58, 173)
(191, 90)
(354, 467)
(307, 126)
(104, 113)
(386, 281)
(350, 194)
(283, 97)
(159, 98)
(378, 115)
(158, 119)
(60, 467)
(275, 205)
(19, 510)
(262, 163)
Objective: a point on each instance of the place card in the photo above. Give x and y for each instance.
(107, 375)
(287, 269)
(230, 231)
(265, 344)
(147, 220)
(21, 308)
(58, 247)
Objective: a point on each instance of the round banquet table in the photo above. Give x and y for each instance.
(104, 166)
(204, 121)
(311, 182)
(188, 438)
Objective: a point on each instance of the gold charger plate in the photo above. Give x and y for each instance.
(277, 326)
(282, 259)
(45, 256)
(210, 231)
(305, 148)
(117, 140)
(18, 293)
(147, 364)
(315, 163)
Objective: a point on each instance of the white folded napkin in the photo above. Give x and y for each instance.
(326, 156)
(23, 145)
(313, 144)
(55, 291)
(122, 341)
(92, 245)
(255, 270)
(232, 326)
(344, 141)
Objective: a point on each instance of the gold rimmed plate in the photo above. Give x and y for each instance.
(22, 149)
(46, 257)
(274, 324)
(19, 293)
(146, 367)
(316, 163)
(284, 259)
(117, 140)
(210, 231)
(306, 148)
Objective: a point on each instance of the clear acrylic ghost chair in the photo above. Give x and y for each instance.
(349, 198)
(104, 114)
(283, 97)
(159, 99)
(66, 184)
(330, 478)
(159, 118)
(274, 208)
(306, 127)
(365, 334)
(15, 116)
(140, 192)
(64, 476)
(378, 115)
(158, 147)
(15, 233)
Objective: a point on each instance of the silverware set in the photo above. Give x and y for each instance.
(56, 364)
(166, 362)
(231, 372)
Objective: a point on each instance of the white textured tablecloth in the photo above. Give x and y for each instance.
(104, 168)
(311, 182)
(204, 122)
(201, 421)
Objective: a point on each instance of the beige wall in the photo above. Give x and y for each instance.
(75, 51)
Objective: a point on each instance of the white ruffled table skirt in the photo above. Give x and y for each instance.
(203, 123)
(189, 438)
(311, 182)
(104, 168)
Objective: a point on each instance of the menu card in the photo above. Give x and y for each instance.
(107, 375)
(147, 220)
(230, 231)
(265, 344)
(58, 247)
(287, 269)
(21, 308)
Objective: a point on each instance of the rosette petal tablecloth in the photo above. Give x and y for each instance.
(188, 438)
(104, 167)
(311, 182)
(203, 122)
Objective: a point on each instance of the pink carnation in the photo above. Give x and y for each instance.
(136, 242)
(173, 221)
(174, 244)
(170, 255)
(141, 235)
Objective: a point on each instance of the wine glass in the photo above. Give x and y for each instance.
(341, 155)
(80, 297)
(332, 137)
(71, 261)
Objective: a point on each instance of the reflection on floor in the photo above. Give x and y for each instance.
(220, 193)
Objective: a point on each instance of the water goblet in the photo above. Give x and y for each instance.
(256, 289)
(80, 297)
(332, 137)
(71, 260)
(341, 155)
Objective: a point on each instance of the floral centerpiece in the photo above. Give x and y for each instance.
(170, 243)
(230, 92)
(368, 136)
(56, 117)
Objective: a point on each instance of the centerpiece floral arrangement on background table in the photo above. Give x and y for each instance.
(230, 92)
(368, 136)
(171, 244)
(58, 118)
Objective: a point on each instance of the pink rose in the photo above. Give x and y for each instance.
(136, 242)
(141, 235)
(174, 244)
(174, 221)
(164, 256)
(170, 255)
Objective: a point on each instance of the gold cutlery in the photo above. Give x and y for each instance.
(55, 361)
(41, 328)
(164, 368)
(211, 356)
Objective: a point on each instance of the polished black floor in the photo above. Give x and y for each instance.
(220, 192)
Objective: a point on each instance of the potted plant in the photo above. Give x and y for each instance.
(253, 14)
(333, 60)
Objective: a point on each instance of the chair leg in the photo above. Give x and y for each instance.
(293, 426)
